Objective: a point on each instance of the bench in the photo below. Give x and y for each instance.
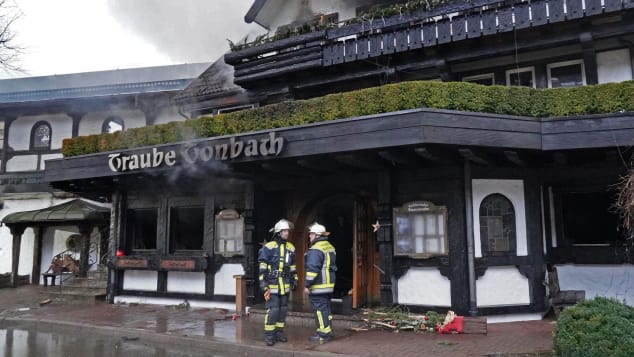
(560, 299)
(51, 276)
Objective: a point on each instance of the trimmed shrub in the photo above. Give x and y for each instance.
(521, 101)
(598, 327)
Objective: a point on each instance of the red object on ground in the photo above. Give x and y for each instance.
(454, 326)
(119, 253)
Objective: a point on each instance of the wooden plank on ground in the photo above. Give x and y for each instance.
(475, 325)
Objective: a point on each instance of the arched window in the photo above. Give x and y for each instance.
(111, 125)
(41, 135)
(497, 225)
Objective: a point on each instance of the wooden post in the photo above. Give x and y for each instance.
(37, 255)
(241, 294)
(84, 230)
(384, 238)
(16, 232)
(473, 305)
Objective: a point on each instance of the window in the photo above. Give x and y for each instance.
(141, 226)
(497, 225)
(186, 228)
(419, 230)
(521, 77)
(111, 125)
(41, 136)
(566, 74)
(484, 79)
(229, 232)
(588, 218)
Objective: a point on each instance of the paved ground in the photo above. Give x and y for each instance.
(213, 329)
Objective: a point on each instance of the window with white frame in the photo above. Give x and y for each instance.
(566, 74)
(484, 79)
(497, 225)
(229, 233)
(420, 230)
(112, 125)
(521, 77)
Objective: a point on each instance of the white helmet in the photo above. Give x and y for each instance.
(281, 225)
(318, 229)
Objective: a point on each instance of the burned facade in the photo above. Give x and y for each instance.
(429, 208)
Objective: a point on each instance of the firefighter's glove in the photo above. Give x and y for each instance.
(263, 285)
(267, 294)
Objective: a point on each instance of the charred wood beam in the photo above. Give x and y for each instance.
(395, 158)
(279, 71)
(360, 162)
(277, 64)
(471, 155)
(278, 57)
(514, 157)
(240, 56)
(347, 77)
(589, 58)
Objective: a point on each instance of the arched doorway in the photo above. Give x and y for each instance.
(349, 220)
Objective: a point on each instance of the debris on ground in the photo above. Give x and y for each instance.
(396, 320)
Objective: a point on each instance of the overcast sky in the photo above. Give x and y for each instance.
(69, 36)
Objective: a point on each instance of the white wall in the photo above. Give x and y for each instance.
(91, 123)
(186, 282)
(224, 283)
(142, 280)
(614, 66)
(22, 163)
(514, 191)
(613, 281)
(167, 115)
(502, 286)
(424, 286)
(20, 130)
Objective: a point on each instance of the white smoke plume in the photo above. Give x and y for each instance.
(187, 31)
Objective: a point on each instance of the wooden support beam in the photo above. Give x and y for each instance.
(84, 245)
(474, 157)
(319, 165)
(560, 158)
(37, 255)
(286, 169)
(16, 232)
(432, 155)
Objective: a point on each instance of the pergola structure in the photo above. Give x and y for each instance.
(77, 212)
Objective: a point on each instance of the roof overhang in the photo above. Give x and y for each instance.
(72, 212)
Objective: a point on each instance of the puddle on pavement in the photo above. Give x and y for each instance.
(27, 343)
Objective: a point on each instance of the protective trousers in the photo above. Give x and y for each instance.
(275, 318)
(320, 303)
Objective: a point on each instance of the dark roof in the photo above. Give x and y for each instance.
(254, 10)
(72, 211)
(215, 81)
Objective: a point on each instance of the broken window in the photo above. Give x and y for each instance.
(186, 228)
(141, 228)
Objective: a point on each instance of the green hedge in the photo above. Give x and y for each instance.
(599, 327)
(522, 101)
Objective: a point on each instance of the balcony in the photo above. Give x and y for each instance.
(318, 51)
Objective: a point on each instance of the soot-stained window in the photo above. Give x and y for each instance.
(186, 228)
(141, 228)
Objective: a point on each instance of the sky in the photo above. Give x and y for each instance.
(71, 36)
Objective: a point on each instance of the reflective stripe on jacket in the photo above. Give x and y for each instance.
(277, 269)
(321, 265)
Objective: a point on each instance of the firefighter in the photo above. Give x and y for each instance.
(277, 277)
(321, 265)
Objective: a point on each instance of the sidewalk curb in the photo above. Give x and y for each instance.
(202, 344)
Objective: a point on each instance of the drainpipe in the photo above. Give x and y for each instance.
(180, 111)
(468, 198)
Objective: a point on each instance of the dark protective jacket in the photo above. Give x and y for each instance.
(321, 265)
(277, 271)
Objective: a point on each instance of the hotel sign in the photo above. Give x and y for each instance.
(197, 152)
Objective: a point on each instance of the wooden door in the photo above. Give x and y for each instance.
(360, 256)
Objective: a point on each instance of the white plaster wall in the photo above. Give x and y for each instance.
(142, 280)
(92, 122)
(186, 282)
(502, 286)
(18, 203)
(514, 191)
(20, 130)
(613, 281)
(22, 163)
(424, 286)
(614, 66)
(48, 157)
(224, 283)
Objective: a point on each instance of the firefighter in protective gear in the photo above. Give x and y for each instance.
(277, 277)
(321, 266)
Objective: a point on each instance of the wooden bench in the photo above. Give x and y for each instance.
(560, 299)
(51, 276)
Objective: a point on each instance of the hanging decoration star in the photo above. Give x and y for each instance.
(376, 226)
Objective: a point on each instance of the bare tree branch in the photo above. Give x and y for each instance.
(10, 51)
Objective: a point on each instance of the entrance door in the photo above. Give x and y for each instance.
(365, 276)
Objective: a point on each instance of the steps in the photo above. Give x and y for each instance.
(82, 290)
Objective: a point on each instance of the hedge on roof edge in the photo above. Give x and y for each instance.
(461, 96)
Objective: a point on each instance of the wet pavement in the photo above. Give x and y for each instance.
(151, 330)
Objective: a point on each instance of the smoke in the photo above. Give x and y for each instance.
(187, 31)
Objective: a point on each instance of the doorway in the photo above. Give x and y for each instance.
(349, 221)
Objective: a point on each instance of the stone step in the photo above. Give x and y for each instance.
(87, 282)
(77, 297)
(70, 289)
(98, 274)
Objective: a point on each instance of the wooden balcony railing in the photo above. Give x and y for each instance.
(407, 32)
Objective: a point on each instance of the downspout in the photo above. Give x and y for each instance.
(181, 113)
(468, 198)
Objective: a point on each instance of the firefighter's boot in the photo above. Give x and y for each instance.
(269, 339)
(279, 337)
